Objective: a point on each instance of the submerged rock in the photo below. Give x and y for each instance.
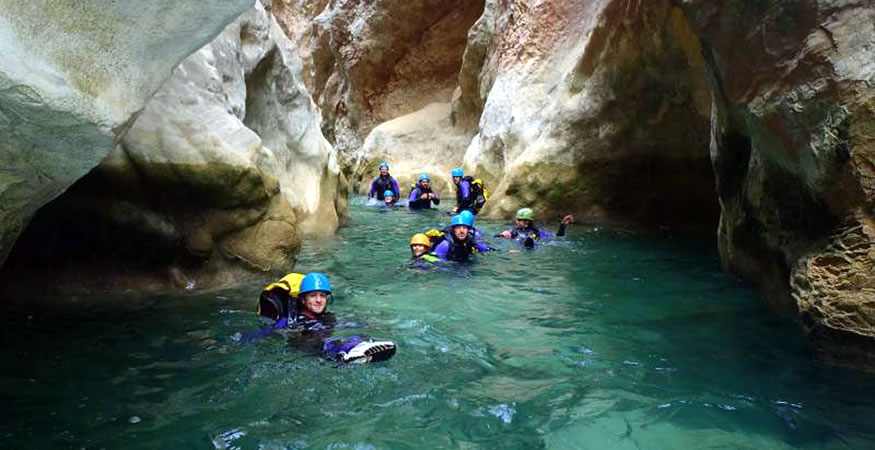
(73, 76)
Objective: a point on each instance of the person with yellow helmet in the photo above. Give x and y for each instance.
(420, 245)
(526, 231)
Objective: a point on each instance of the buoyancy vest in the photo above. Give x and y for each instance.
(424, 262)
(385, 184)
(477, 195)
(532, 232)
(435, 236)
(279, 299)
(418, 202)
(460, 251)
(426, 257)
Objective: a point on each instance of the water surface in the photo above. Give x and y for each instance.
(603, 339)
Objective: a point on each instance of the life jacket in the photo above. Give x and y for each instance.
(460, 251)
(532, 232)
(527, 236)
(426, 258)
(385, 184)
(279, 299)
(418, 202)
(435, 236)
(478, 194)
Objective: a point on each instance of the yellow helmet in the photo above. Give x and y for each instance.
(290, 283)
(420, 239)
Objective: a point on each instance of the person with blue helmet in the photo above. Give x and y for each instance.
(384, 182)
(468, 216)
(315, 325)
(460, 243)
(389, 198)
(295, 303)
(314, 297)
(470, 194)
(526, 231)
(422, 197)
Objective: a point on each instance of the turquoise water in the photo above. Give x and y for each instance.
(604, 339)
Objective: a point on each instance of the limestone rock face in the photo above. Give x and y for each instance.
(425, 141)
(569, 107)
(792, 144)
(221, 173)
(369, 61)
(755, 116)
(72, 77)
(581, 103)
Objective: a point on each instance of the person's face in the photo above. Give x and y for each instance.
(457, 180)
(424, 183)
(460, 231)
(418, 249)
(384, 171)
(389, 199)
(315, 302)
(522, 223)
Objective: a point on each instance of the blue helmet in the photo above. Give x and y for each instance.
(389, 194)
(463, 219)
(424, 177)
(469, 216)
(457, 172)
(315, 281)
(384, 164)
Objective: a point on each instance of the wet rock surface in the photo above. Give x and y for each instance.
(217, 179)
(671, 113)
(793, 155)
(72, 79)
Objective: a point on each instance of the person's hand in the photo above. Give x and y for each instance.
(430, 196)
(424, 196)
(454, 210)
(505, 234)
(567, 219)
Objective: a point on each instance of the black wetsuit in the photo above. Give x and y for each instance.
(414, 202)
(308, 335)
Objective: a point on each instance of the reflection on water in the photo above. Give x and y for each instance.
(603, 339)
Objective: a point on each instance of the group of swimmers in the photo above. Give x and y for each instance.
(297, 306)
(470, 194)
(460, 239)
(299, 303)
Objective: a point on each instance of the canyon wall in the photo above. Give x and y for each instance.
(73, 77)
(218, 178)
(751, 120)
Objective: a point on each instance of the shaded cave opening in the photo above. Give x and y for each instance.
(98, 237)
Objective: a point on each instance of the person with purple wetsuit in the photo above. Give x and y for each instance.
(422, 197)
(460, 243)
(384, 182)
(464, 194)
(526, 231)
